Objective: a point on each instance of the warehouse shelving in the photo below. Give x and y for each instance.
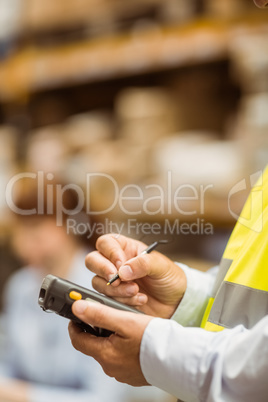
(34, 69)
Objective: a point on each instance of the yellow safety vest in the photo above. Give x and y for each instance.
(240, 294)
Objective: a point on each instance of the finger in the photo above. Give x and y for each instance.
(118, 249)
(154, 265)
(125, 289)
(110, 247)
(85, 342)
(139, 300)
(127, 293)
(98, 315)
(100, 265)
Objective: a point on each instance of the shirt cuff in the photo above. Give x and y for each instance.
(165, 361)
(193, 304)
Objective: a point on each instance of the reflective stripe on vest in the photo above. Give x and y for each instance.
(240, 293)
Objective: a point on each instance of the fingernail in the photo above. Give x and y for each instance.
(126, 272)
(142, 299)
(80, 306)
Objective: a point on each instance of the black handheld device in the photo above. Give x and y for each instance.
(57, 295)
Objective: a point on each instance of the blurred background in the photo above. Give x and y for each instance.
(135, 90)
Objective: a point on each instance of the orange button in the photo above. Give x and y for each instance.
(75, 295)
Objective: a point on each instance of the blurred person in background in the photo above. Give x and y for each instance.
(39, 363)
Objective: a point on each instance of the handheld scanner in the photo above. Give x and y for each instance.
(57, 295)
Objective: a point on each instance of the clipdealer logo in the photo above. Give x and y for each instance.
(131, 199)
(132, 227)
(40, 210)
(252, 215)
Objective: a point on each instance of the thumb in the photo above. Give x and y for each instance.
(153, 265)
(126, 273)
(99, 315)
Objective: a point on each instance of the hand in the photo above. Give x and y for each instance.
(12, 390)
(151, 282)
(119, 353)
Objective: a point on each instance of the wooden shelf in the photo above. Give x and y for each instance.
(34, 69)
(46, 16)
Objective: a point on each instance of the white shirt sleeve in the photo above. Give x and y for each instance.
(197, 365)
(199, 286)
